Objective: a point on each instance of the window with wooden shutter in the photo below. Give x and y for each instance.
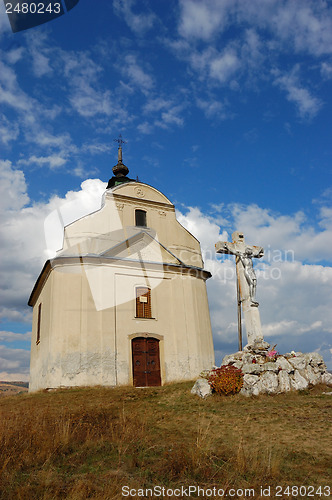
(38, 323)
(143, 302)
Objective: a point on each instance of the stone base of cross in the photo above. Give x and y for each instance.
(246, 280)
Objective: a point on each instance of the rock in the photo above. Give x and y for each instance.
(232, 358)
(250, 380)
(289, 371)
(298, 382)
(269, 381)
(246, 391)
(247, 358)
(252, 390)
(298, 362)
(202, 388)
(315, 359)
(206, 373)
(252, 368)
(312, 377)
(327, 378)
(258, 388)
(284, 381)
(283, 364)
(257, 346)
(238, 364)
(271, 366)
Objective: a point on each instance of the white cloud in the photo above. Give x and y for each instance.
(293, 233)
(13, 188)
(136, 74)
(307, 105)
(306, 23)
(223, 67)
(26, 239)
(139, 23)
(202, 20)
(52, 161)
(212, 108)
(169, 113)
(14, 337)
(156, 104)
(14, 55)
(145, 128)
(10, 92)
(299, 25)
(295, 297)
(14, 364)
(4, 21)
(258, 33)
(173, 116)
(86, 95)
(88, 102)
(30, 118)
(253, 50)
(8, 131)
(96, 148)
(326, 70)
(40, 53)
(203, 227)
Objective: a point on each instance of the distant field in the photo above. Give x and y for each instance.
(10, 388)
(92, 442)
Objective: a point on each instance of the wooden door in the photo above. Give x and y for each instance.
(146, 362)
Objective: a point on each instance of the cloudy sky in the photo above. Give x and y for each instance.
(226, 108)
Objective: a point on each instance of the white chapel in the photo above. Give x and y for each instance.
(124, 301)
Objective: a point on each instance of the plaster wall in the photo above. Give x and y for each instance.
(81, 345)
(88, 296)
(117, 216)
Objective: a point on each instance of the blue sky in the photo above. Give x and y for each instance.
(226, 108)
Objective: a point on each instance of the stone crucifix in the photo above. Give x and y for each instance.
(246, 283)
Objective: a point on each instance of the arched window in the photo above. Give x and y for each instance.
(140, 218)
(143, 302)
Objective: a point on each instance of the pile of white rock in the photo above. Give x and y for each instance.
(291, 371)
(283, 373)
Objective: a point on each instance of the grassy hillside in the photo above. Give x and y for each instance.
(11, 388)
(91, 442)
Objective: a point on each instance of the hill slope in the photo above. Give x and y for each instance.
(11, 388)
(92, 442)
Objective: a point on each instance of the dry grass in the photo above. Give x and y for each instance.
(88, 443)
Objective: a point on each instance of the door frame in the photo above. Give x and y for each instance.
(161, 354)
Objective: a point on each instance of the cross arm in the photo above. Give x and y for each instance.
(257, 251)
(223, 247)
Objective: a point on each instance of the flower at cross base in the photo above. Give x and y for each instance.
(272, 354)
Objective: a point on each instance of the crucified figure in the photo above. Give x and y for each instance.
(246, 259)
(246, 284)
(245, 254)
